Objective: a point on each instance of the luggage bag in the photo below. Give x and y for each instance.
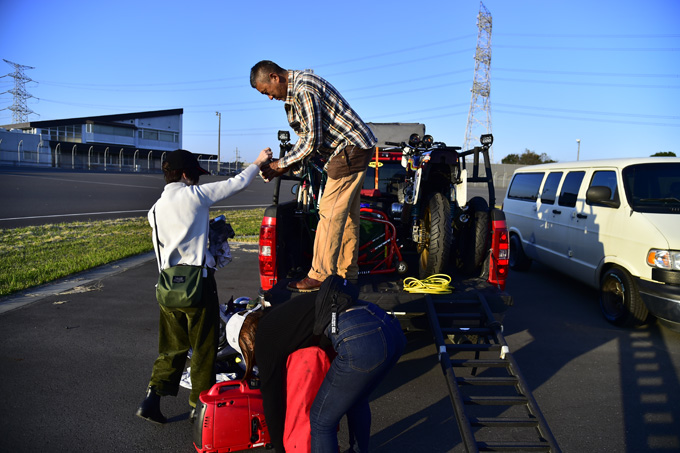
(305, 371)
(230, 417)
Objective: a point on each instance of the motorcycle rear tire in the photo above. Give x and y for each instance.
(438, 232)
(475, 244)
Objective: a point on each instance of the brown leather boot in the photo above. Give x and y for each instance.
(306, 285)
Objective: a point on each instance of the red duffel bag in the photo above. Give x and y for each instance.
(306, 369)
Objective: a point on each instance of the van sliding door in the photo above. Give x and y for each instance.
(590, 222)
(566, 228)
(546, 240)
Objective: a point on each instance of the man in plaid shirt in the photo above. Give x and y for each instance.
(325, 124)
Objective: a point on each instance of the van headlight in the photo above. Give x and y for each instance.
(664, 259)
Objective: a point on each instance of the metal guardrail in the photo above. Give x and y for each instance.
(111, 159)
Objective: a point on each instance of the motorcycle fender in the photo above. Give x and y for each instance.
(460, 190)
(419, 174)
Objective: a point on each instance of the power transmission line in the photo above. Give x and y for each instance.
(589, 120)
(589, 36)
(591, 84)
(593, 49)
(590, 74)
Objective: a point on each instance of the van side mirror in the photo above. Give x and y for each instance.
(601, 195)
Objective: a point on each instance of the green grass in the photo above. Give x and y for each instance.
(32, 256)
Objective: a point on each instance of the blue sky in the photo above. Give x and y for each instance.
(607, 72)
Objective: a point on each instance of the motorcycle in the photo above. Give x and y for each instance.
(442, 224)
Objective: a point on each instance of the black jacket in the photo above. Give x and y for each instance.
(283, 329)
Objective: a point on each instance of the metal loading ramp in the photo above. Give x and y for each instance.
(494, 408)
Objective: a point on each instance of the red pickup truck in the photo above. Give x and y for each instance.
(416, 221)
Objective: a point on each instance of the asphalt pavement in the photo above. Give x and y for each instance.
(76, 356)
(43, 196)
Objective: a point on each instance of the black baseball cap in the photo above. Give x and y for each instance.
(181, 159)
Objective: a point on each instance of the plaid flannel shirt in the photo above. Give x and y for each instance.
(322, 119)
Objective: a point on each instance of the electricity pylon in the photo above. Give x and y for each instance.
(479, 117)
(20, 110)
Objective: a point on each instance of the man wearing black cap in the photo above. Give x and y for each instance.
(180, 222)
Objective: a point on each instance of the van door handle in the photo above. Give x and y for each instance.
(582, 216)
(555, 211)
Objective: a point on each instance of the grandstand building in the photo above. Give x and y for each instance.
(122, 142)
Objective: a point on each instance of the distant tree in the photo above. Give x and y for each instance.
(545, 159)
(664, 154)
(527, 158)
(511, 159)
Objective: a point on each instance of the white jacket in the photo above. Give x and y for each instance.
(183, 215)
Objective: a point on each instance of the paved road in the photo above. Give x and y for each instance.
(74, 366)
(75, 360)
(44, 196)
(37, 197)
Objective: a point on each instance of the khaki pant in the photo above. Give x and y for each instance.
(180, 329)
(336, 246)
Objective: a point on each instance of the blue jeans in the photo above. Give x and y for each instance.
(369, 342)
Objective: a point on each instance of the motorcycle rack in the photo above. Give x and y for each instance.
(490, 397)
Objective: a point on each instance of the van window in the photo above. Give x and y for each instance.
(572, 182)
(606, 179)
(549, 194)
(524, 186)
(653, 187)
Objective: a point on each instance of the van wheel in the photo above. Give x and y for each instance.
(518, 260)
(620, 300)
(436, 225)
(475, 243)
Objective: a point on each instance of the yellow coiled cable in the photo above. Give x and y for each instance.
(434, 284)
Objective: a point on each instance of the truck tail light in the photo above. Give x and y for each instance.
(267, 253)
(500, 250)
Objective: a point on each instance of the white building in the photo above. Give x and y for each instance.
(123, 142)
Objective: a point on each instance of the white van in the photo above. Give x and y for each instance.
(613, 224)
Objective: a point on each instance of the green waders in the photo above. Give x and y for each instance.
(179, 330)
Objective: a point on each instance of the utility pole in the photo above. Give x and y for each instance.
(219, 135)
(20, 110)
(578, 150)
(480, 109)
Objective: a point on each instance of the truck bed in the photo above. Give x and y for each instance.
(295, 231)
(386, 291)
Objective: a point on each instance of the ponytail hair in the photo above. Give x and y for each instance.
(246, 341)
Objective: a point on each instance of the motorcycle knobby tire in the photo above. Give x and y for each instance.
(437, 230)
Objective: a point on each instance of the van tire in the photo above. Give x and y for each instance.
(437, 227)
(620, 299)
(475, 245)
(518, 261)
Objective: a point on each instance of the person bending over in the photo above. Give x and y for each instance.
(368, 342)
